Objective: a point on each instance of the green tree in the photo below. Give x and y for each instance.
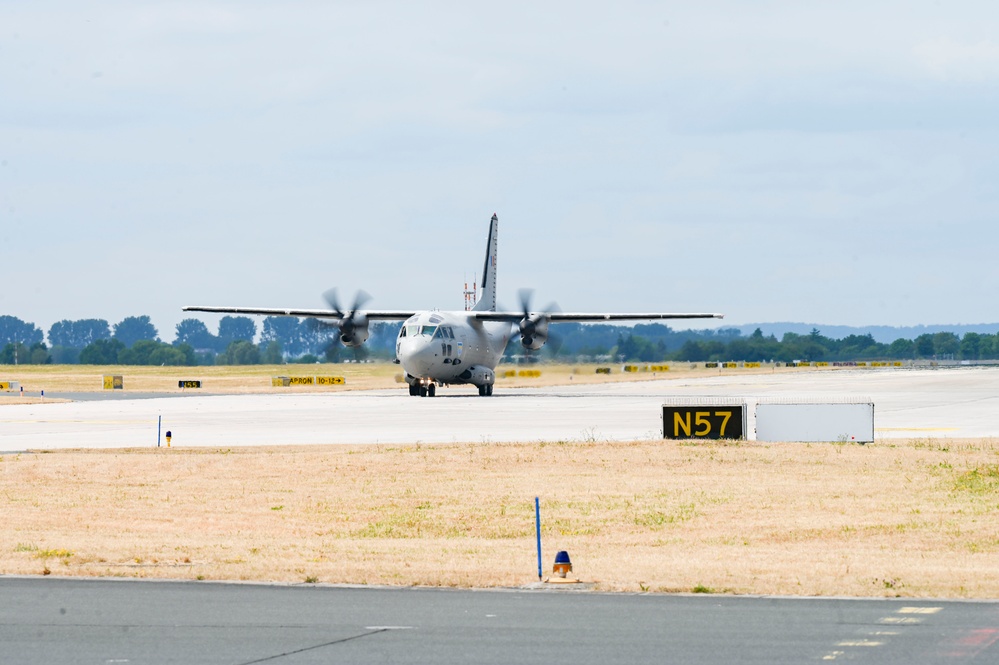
(971, 346)
(195, 333)
(902, 349)
(761, 348)
(946, 344)
(739, 349)
(287, 331)
(855, 347)
(78, 334)
(272, 353)
(635, 347)
(233, 328)
(40, 354)
(691, 351)
(165, 354)
(318, 336)
(155, 353)
(988, 347)
(132, 329)
(16, 353)
(138, 353)
(924, 346)
(190, 355)
(13, 329)
(102, 352)
(239, 352)
(65, 355)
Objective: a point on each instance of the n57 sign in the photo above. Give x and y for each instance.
(703, 422)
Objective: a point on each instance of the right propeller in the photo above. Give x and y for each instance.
(534, 325)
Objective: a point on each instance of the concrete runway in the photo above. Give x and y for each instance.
(908, 403)
(45, 620)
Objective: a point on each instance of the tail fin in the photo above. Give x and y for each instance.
(487, 303)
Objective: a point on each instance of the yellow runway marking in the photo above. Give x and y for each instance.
(860, 643)
(919, 610)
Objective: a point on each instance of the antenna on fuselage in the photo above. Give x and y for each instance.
(470, 295)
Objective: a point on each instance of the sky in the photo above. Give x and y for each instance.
(774, 161)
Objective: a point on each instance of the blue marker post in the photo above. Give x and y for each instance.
(537, 525)
(159, 426)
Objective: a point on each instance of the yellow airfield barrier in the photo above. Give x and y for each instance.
(284, 381)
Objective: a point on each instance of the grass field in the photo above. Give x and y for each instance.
(910, 518)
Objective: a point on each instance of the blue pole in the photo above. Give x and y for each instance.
(537, 526)
(159, 426)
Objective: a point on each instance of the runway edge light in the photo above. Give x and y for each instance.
(562, 564)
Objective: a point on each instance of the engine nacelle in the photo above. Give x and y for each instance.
(533, 332)
(353, 332)
(480, 376)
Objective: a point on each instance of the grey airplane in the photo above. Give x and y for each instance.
(441, 348)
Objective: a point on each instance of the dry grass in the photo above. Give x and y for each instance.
(911, 518)
(364, 376)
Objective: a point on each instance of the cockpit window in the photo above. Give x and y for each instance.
(402, 331)
(412, 330)
(428, 330)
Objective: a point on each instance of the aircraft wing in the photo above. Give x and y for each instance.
(370, 314)
(555, 317)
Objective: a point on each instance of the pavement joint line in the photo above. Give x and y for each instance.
(312, 648)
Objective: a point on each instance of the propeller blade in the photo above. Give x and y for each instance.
(525, 296)
(360, 299)
(331, 298)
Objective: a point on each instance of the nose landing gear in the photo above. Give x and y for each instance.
(486, 390)
(423, 389)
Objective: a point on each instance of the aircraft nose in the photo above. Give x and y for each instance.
(417, 356)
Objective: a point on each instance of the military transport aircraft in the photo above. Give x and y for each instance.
(438, 348)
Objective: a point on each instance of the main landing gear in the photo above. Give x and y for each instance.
(421, 390)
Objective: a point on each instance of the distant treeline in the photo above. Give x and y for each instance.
(135, 341)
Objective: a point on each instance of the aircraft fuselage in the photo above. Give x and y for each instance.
(451, 348)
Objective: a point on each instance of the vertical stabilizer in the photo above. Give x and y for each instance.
(487, 303)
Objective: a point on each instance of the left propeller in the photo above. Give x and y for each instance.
(352, 323)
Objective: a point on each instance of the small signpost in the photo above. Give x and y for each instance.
(704, 418)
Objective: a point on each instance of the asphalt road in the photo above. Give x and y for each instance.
(908, 403)
(46, 620)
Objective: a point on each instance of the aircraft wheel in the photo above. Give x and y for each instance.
(431, 390)
(423, 391)
(489, 390)
(414, 389)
